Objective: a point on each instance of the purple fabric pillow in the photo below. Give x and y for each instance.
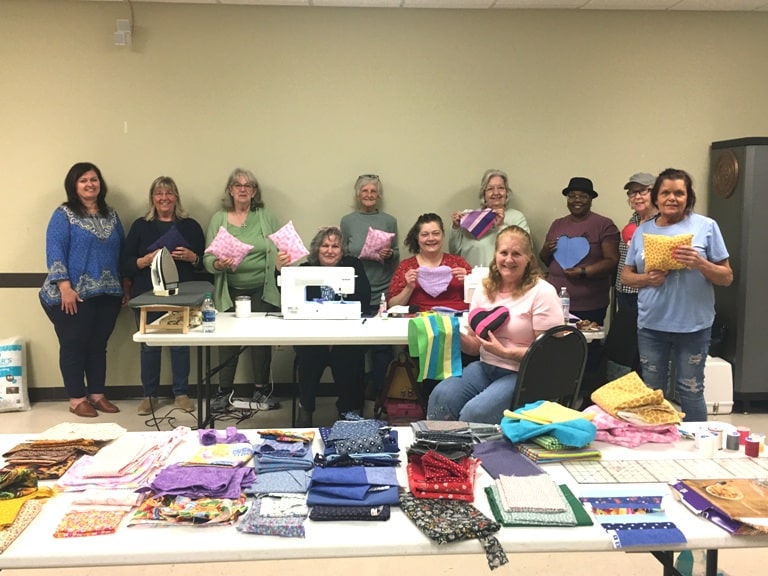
(484, 320)
(172, 239)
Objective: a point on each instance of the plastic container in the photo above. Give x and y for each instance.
(565, 300)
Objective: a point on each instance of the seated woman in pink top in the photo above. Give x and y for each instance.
(431, 277)
(487, 386)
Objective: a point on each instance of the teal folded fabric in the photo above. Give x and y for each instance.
(576, 433)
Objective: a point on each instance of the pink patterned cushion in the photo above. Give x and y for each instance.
(375, 240)
(225, 245)
(434, 281)
(288, 240)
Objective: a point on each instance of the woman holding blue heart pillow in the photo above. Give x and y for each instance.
(587, 280)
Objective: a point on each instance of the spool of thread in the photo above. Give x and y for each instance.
(743, 433)
(760, 441)
(732, 441)
(752, 447)
(707, 444)
(242, 307)
(718, 434)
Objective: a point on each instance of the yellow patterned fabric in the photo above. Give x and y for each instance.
(659, 250)
(630, 394)
(29, 510)
(9, 509)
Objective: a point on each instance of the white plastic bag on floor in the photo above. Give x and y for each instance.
(13, 388)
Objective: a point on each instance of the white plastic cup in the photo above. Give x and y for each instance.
(243, 307)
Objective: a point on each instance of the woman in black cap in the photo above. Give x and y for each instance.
(584, 268)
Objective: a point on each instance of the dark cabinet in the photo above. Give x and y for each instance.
(738, 201)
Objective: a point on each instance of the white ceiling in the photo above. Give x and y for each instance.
(700, 5)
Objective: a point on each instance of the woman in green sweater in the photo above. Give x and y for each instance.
(244, 215)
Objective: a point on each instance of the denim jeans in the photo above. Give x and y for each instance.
(480, 394)
(688, 352)
(151, 359)
(83, 343)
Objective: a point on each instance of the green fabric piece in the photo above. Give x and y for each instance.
(574, 516)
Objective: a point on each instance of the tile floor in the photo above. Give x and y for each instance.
(746, 562)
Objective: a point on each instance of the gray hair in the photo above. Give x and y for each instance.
(256, 202)
(487, 177)
(322, 234)
(365, 179)
(168, 183)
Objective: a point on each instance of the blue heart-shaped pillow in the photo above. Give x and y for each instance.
(571, 251)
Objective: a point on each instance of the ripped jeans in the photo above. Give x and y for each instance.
(689, 354)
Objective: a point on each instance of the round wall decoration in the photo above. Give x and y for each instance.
(725, 174)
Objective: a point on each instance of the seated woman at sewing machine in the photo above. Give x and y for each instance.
(346, 362)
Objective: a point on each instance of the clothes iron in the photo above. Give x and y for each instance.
(165, 275)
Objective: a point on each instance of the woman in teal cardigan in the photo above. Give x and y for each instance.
(244, 215)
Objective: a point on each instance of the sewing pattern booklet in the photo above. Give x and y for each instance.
(742, 499)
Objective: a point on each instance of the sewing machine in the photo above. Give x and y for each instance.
(301, 293)
(165, 275)
(473, 281)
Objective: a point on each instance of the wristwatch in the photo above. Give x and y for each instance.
(583, 273)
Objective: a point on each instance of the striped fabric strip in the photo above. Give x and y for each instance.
(436, 341)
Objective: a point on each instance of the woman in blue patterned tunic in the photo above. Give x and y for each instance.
(82, 293)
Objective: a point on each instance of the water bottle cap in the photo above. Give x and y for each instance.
(207, 294)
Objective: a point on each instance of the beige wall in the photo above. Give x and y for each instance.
(308, 98)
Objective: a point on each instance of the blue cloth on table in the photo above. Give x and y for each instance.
(278, 448)
(373, 497)
(283, 481)
(331, 460)
(353, 485)
(628, 534)
(268, 463)
(576, 433)
(388, 440)
(501, 457)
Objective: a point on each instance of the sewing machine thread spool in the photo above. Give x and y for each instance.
(752, 447)
(732, 441)
(243, 307)
(707, 444)
(718, 434)
(743, 434)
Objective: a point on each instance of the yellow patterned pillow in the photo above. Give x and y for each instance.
(659, 250)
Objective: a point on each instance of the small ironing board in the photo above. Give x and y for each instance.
(190, 294)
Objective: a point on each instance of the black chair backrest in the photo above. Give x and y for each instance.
(552, 367)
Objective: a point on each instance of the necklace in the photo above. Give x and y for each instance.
(236, 217)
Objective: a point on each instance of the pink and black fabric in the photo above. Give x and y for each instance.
(485, 320)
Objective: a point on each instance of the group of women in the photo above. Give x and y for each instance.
(93, 270)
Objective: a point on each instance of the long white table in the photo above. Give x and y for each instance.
(36, 547)
(262, 329)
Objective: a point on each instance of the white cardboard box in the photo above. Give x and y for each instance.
(718, 386)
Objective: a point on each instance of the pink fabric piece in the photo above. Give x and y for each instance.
(615, 431)
(434, 281)
(375, 241)
(288, 240)
(478, 222)
(225, 245)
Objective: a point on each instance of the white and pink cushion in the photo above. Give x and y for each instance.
(225, 245)
(288, 240)
(375, 241)
(434, 281)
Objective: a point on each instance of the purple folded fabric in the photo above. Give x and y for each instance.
(484, 320)
(478, 222)
(434, 281)
(209, 437)
(172, 239)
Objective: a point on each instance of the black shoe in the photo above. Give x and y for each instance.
(221, 402)
(304, 418)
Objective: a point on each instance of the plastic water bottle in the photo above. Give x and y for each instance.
(565, 300)
(383, 306)
(209, 314)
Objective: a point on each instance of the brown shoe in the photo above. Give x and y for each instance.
(182, 401)
(84, 410)
(104, 405)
